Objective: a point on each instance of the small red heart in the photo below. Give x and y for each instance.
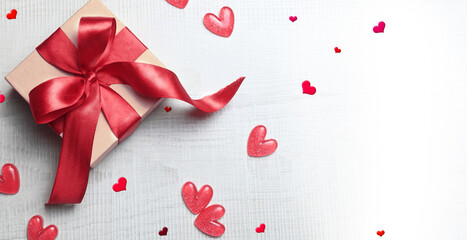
(261, 228)
(307, 88)
(222, 26)
(12, 14)
(2, 98)
(207, 222)
(194, 200)
(163, 232)
(168, 109)
(178, 3)
(380, 233)
(379, 28)
(337, 50)
(37, 232)
(120, 186)
(9, 180)
(293, 18)
(257, 146)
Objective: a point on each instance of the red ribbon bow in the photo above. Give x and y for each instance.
(72, 104)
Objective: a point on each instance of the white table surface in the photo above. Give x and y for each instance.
(380, 146)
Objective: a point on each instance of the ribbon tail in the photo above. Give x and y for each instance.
(78, 136)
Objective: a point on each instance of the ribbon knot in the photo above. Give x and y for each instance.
(72, 105)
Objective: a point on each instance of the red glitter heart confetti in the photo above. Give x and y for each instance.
(163, 232)
(194, 200)
(178, 3)
(168, 109)
(37, 232)
(380, 233)
(9, 180)
(12, 14)
(222, 26)
(379, 28)
(207, 222)
(293, 18)
(120, 186)
(261, 228)
(2, 98)
(337, 50)
(257, 146)
(307, 88)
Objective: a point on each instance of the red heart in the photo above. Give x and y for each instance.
(168, 109)
(337, 50)
(9, 180)
(293, 18)
(379, 28)
(380, 233)
(37, 232)
(12, 14)
(163, 232)
(178, 3)
(2, 98)
(222, 26)
(307, 88)
(261, 228)
(120, 186)
(194, 200)
(207, 222)
(257, 146)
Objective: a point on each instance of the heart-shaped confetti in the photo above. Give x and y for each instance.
(2, 98)
(163, 232)
(120, 186)
(379, 28)
(194, 200)
(37, 232)
(257, 145)
(207, 222)
(337, 50)
(178, 3)
(293, 18)
(12, 14)
(168, 109)
(9, 180)
(380, 233)
(261, 228)
(222, 25)
(307, 88)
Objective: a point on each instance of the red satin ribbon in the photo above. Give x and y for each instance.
(72, 104)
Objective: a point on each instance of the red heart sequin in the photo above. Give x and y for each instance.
(12, 14)
(37, 232)
(307, 88)
(168, 109)
(337, 50)
(222, 26)
(379, 28)
(194, 200)
(9, 180)
(293, 18)
(207, 222)
(380, 233)
(2, 98)
(257, 146)
(120, 186)
(163, 232)
(261, 228)
(178, 3)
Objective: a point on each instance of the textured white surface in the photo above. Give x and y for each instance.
(380, 146)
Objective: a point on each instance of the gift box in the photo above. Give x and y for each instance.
(93, 82)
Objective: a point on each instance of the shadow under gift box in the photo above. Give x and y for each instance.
(34, 70)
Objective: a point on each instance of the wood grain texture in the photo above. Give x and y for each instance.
(381, 145)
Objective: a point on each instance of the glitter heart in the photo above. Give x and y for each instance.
(120, 186)
(12, 14)
(222, 26)
(257, 146)
(261, 228)
(163, 232)
(178, 3)
(168, 109)
(2, 98)
(379, 28)
(337, 50)
(194, 200)
(9, 180)
(37, 232)
(207, 222)
(380, 233)
(293, 18)
(307, 88)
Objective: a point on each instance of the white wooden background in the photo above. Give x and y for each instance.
(381, 146)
